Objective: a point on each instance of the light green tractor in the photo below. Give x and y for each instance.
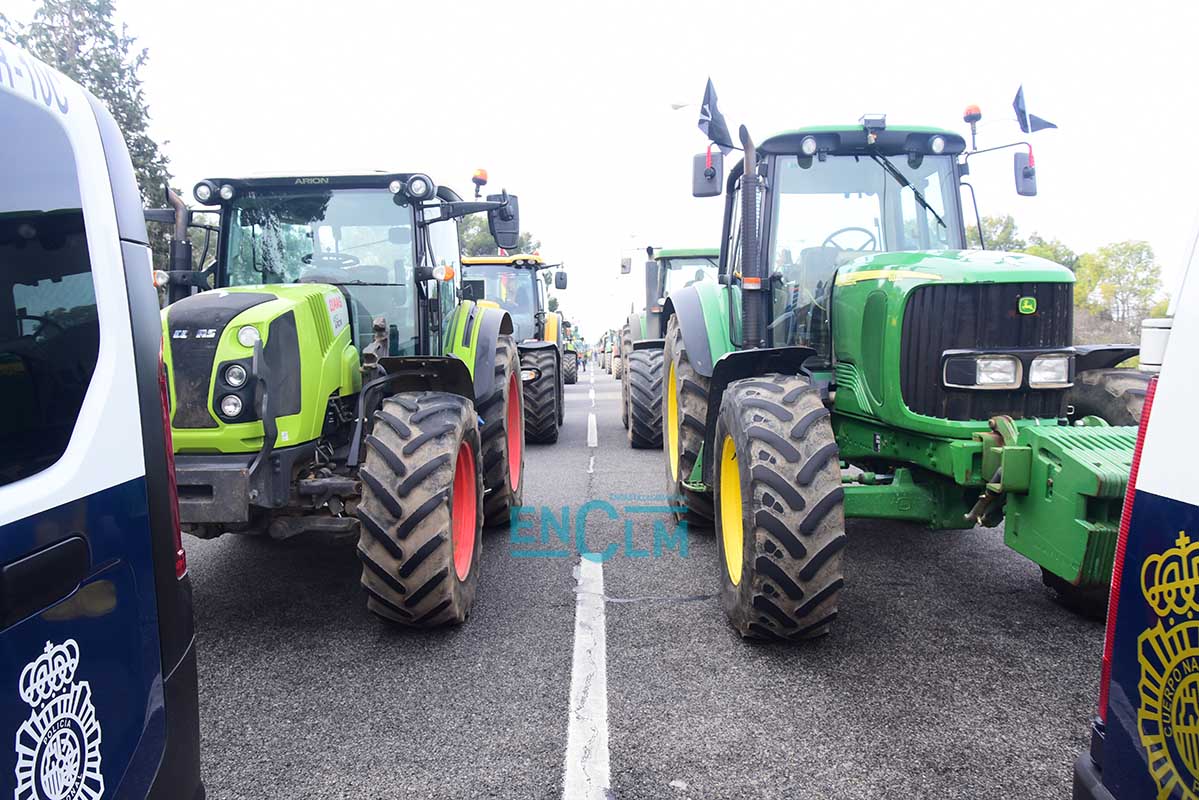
(331, 380)
(854, 359)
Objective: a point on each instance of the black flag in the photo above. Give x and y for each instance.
(712, 123)
(1029, 123)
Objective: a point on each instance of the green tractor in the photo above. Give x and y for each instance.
(514, 284)
(856, 360)
(326, 377)
(644, 333)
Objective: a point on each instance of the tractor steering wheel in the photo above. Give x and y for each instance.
(45, 321)
(870, 244)
(342, 260)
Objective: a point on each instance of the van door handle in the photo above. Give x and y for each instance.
(38, 580)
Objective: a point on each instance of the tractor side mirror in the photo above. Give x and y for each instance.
(473, 289)
(707, 181)
(1026, 175)
(399, 235)
(559, 280)
(504, 223)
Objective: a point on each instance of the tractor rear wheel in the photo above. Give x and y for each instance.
(685, 411)
(643, 382)
(780, 522)
(503, 436)
(421, 512)
(626, 350)
(570, 368)
(541, 396)
(1114, 395)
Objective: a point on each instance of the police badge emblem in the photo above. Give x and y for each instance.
(1168, 718)
(58, 747)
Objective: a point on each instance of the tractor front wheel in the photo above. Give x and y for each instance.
(643, 387)
(421, 512)
(1114, 395)
(503, 436)
(684, 412)
(780, 521)
(570, 369)
(541, 396)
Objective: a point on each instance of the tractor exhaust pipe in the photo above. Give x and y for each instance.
(181, 248)
(751, 264)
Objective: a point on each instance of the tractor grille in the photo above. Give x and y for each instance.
(980, 317)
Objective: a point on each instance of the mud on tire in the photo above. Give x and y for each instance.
(541, 396)
(420, 564)
(502, 417)
(690, 408)
(1114, 395)
(780, 522)
(643, 382)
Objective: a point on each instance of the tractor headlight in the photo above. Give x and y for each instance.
(203, 192)
(230, 405)
(248, 336)
(420, 187)
(997, 372)
(235, 375)
(1049, 372)
(529, 374)
(937, 145)
(808, 146)
(226, 192)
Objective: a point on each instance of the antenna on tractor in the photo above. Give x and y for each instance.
(972, 115)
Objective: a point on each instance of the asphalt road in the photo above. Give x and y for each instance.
(949, 673)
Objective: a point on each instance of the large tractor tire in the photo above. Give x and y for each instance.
(643, 382)
(570, 368)
(780, 522)
(541, 396)
(617, 366)
(503, 437)
(1114, 395)
(421, 512)
(626, 350)
(685, 409)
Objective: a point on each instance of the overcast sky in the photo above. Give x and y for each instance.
(569, 104)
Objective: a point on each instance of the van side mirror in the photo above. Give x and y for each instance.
(707, 181)
(559, 280)
(473, 289)
(626, 266)
(1026, 175)
(504, 223)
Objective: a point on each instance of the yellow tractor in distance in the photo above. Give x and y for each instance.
(514, 283)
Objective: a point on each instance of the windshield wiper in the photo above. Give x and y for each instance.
(904, 182)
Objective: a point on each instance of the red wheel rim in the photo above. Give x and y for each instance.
(465, 511)
(516, 434)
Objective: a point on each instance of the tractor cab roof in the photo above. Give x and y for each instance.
(526, 260)
(358, 179)
(854, 140)
(686, 252)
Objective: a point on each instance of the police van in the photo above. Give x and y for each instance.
(97, 660)
(1145, 738)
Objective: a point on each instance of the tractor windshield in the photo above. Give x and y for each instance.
(513, 288)
(827, 213)
(342, 236)
(681, 272)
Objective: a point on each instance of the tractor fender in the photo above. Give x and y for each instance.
(426, 374)
(636, 325)
(492, 323)
(738, 364)
(686, 306)
(1102, 356)
(649, 344)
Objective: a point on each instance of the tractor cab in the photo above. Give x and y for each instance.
(514, 282)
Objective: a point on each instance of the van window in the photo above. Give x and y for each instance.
(49, 330)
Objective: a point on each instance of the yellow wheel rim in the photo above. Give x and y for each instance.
(731, 519)
(672, 423)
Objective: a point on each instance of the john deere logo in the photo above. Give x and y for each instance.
(1168, 720)
(1027, 305)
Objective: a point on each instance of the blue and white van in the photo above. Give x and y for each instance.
(1145, 738)
(97, 661)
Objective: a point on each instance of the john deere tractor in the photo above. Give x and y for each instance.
(644, 334)
(331, 380)
(855, 359)
(514, 284)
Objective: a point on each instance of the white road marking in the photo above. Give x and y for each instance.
(591, 465)
(592, 431)
(585, 776)
(591, 396)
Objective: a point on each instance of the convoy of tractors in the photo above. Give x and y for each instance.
(339, 366)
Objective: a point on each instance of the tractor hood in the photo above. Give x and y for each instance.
(291, 342)
(953, 266)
